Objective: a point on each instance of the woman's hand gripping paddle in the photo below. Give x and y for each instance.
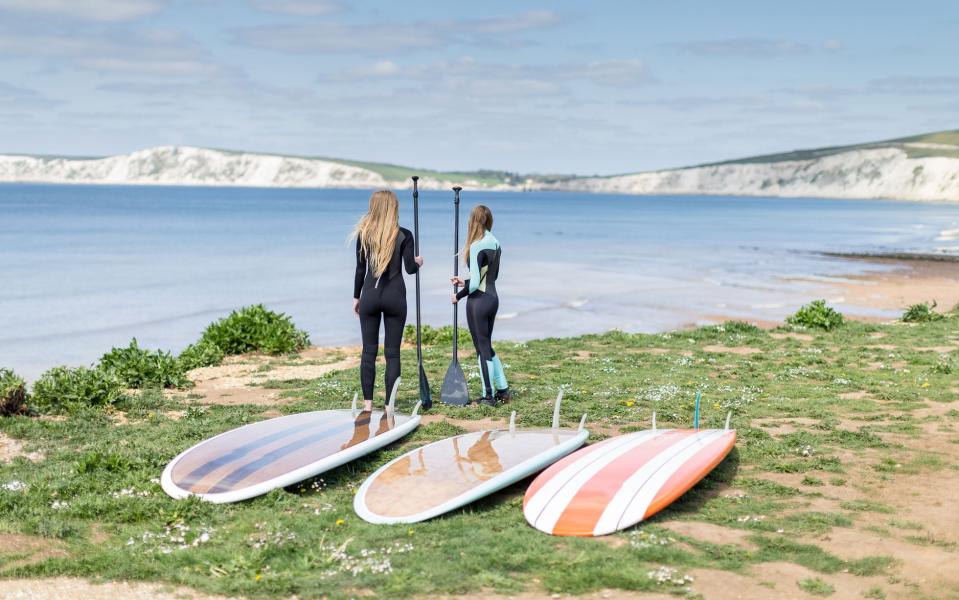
(454, 384)
(425, 399)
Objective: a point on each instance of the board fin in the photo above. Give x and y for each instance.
(512, 422)
(654, 420)
(356, 396)
(699, 396)
(582, 422)
(559, 401)
(729, 416)
(416, 408)
(396, 388)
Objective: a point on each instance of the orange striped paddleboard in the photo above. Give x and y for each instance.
(622, 481)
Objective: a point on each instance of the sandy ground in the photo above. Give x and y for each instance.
(11, 449)
(69, 588)
(911, 282)
(238, 379)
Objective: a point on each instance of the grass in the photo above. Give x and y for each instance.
(908, 144)
(816, 587)
(96, 490)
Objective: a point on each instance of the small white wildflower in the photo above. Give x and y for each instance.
(751, 519)
(14, 486)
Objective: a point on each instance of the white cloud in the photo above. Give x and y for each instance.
(612, 72)
(383, 68)
(148, 66)
(107, 11)
(743, 48)
(534, 19)
(525, 79)
(298, 8)
(911, 84)
(14, 95)
(832, 45)
(329, 37)
(393, 37)
(157, 52)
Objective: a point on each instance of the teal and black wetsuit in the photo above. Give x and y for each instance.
(481, 309)
(383, 297)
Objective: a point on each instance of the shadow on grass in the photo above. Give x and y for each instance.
(710, 487)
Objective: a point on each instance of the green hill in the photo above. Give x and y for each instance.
(940, 143)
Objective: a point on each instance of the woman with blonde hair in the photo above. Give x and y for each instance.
(482, 253)
(379, 292)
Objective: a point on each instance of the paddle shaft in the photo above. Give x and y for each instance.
(456, 267)
(416, 252)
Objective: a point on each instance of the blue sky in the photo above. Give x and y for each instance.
(571, 87)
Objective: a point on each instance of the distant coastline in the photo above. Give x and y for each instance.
(920, 168)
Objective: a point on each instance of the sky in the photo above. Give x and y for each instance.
(599, 87)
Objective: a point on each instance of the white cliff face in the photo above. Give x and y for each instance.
(875, 173)
(179, 165)
(858, 173)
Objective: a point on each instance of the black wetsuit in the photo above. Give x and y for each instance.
(481, 307)
(383, 296)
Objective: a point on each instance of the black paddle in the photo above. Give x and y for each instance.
(454, 384)
(425, 399)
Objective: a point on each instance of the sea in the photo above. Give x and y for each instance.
(85, 268)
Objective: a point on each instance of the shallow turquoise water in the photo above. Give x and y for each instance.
(84, 268)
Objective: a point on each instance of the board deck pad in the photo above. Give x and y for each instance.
(622, 481)
(450, 473)
(255, 458)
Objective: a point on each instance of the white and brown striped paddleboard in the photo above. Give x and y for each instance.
(256, 458)
(447, 474)
(621, 481)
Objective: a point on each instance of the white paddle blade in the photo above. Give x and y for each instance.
(396, 388)
(559, 401)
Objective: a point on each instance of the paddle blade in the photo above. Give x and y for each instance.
(425, 397)
(454, 386)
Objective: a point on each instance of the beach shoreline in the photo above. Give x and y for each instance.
(872, 296)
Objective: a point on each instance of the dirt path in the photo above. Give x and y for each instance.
(11, 449)
(239, 379)
(63, 588)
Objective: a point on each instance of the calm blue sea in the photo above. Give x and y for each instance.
(84, 268)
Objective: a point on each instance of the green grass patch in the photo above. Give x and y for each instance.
(255, 329)
(922, 313)
(135, 367)
(62, 389)
(817, 315)
(13, 394)
(98, 478)
(816, 587)
(866, 506)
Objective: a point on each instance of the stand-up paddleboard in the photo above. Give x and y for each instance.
(451, 473)
(254, 459)
(623, 480)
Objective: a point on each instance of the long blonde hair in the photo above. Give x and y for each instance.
(378, 229)
(481, 219)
